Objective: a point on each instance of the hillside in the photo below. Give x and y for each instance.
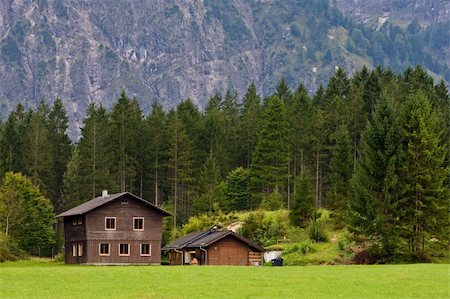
(87, 51)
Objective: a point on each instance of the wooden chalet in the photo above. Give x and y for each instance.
(119, 228)
(214, 247)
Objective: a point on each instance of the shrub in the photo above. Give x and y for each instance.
(272, 202)
(59, 258)
(316, 232)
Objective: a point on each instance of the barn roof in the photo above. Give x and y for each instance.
(206, 238)
(101, 200)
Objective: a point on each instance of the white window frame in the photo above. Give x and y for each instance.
(143, 225)
(149, 249)
(100, 249)
(80, 249)
(74, 249)
(115, 223)
(129, 249)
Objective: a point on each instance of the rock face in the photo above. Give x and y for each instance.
(167, 50)
(401, 12)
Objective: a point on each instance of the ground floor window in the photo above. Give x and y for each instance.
(80, 249)
(104, 249)
(74, 249)
(124, 249)
(145, 249)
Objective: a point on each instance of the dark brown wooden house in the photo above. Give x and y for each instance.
(113, 229)
(214, 247)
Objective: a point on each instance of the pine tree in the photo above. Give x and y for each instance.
(158, 150)
(209, 179)
(181, 167)
(237, 192)
(341, 167)
(96, 154)
(374, 201)
(303, 205)
(249, 124)
(269, 169)
(126, 129)
(60, 149)
(423, 172)
(72, 185)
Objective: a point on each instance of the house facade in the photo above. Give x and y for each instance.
(119, 228)
(214, 247)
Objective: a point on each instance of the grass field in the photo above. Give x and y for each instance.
(40, 279)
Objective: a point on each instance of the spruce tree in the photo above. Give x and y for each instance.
(303, 204)
(375, 205)
(269, 169)
(423, 172)
(209, 179)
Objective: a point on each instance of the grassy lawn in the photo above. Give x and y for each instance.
(39, 279)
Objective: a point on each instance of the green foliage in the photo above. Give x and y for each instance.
(272, 202)
(317, 232)
(303, 205)
(265, 228)
(206, 221)
(237, 193)
(27, 217)
(301, 248)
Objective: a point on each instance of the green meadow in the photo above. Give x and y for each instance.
(46, 279)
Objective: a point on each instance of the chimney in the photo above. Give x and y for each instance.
(105, 193)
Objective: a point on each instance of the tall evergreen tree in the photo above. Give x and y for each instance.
(269, 169)
(249, 124)
(96, 156)
(126, 129)
(375, 204)
(341, 168)
(181, 167)
(209, 179)
(158, 150)
(303, 205)
(423, 172)
(60, 149)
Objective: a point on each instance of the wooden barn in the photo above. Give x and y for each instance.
(119, 228)
(214, 247)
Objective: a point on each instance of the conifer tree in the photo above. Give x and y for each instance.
(269, 169)
(340, 173)
(96, 154)
(72, 185)
(158, 150)
(374, 203)
(181, 167)
(249, 124)
(303, 205)
(237, 192)
(60, 149)
(423, 172)
(209, 179)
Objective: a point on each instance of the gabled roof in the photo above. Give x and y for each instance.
(101, 200)
(206, 238)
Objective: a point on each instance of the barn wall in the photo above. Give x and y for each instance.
(74, 234)
(228, 251)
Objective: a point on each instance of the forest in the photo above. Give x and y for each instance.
(371, 147)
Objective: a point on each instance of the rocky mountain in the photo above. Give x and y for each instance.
(168, 50)
(401, 12)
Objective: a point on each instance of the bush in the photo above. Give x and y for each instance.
(303, 248)
(59, 258)
(272, 202)
(316, 232)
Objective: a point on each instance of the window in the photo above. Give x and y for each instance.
(80, 220)
(74, 221)
(80, 249)
(138, 223)
(145, 249)
(104, 249)
(124, 249)
(110, 223)
(74, 249)
(124, 201)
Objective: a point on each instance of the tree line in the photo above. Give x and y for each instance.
(371, 147)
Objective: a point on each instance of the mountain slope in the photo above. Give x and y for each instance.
(86, 51)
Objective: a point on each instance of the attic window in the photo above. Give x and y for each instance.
(110, 223)
(74, 221)
(124, 201)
